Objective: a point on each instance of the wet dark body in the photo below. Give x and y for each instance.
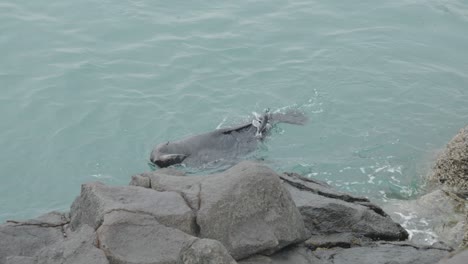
(222, 145)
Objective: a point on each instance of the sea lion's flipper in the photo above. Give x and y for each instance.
(169, 159)
(294, 117)
(261, 122)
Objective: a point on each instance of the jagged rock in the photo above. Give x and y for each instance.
(135, 238)
(97, 200)
(246, 208)
(206, 251)
(25, 239)
(451, 167)
(382, 253)
(450, 173)
(326, 211)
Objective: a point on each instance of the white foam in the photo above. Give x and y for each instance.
(101, 176)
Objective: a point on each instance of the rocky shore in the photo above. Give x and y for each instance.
(248, 214)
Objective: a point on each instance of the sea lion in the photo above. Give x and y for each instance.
(227, 144)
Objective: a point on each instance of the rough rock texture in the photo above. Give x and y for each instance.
(97, 200)
(78, 248)
(136, 238)
(296, 255)
(451, 172)
(387, 252)
(28, 237)
(326, 211)
(249, 211)
(370, 253)
(246, 208)
(206, 251)
(451, 167)
(436, 211)
(127, 237)
(458, 258)
(64, 247)
(257, 259)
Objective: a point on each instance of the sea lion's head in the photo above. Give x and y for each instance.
(165, 155)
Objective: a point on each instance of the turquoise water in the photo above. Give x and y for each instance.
(88, 88)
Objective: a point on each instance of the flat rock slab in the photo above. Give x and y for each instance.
(326, 212)
(382, 253)
(246, 208)
(371, 253)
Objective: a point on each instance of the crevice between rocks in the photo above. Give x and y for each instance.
(194, 210)
(343, 197)
(42, 224)
(39, 224)
(197, 226)
(422, 247)
(385, 237)
(328, 245)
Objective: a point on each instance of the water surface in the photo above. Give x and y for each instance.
(88, 88)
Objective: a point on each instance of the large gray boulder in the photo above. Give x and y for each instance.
(246, 208)
(97, 200)
(26, 238)
(135, 238)
(326, 211)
